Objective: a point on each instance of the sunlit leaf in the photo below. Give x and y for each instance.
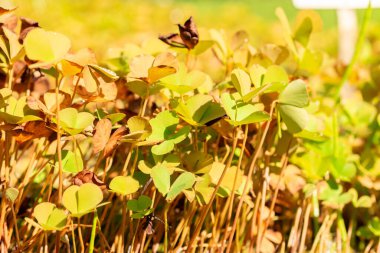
(11, 193)
(198, 110)
(124, 185)
(295, 118)
(49, 47)
(163, 148)
(139, 128)
(303, 32)
(80, 200)
(74, 122)
(49, 216)
(295, 94)
(241, 113)
(71, 162)
(241, 81)
(183, 81)
(161, 178)
(140, 204)
(183, 182)
(163, 125)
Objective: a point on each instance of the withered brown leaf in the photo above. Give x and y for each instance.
(102, 134)
(113, 142)
(188, 36)
(189, 33)
(87, 176)
(31, 130)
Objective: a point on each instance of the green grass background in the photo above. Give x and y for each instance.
(100, 24)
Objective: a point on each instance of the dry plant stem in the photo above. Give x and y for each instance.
(250, 172)
(73, 236)
(143, 108)
(378, 246)
(59, 155)
(182, 228)
(80, 237)
(166, 227)
(196, 138)
(207, 207)
(268, 220)
(59, 147)
(15, 224)
(124, 171)
(5, 185)
(326, 232)
(46, 244)
(253, 223)
(319, 233)
(338, 240)
(75, 87)
(304, 229)
(260, 232)
(369, 246)
(232, 196)
(298, 231)
(143, 242)
(124, 213)
(293, 231)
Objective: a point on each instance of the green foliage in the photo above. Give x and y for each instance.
(80, 200)
(140, 206)
(124, 185)
(209, 132)
(49, 216)
(74, 122)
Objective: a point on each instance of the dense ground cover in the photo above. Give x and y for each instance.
(196, 141)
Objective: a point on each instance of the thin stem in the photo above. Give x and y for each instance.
(93, 232)
(196, 138)
(304, 228)
(143, 108)
(260, 230)
(75, 87)
(46, 248)
(73, 236)
(16, 228)
(10, 77)
(250, 172)
(59, 147)
(124, 218)
(207, 207)
(284, 164)
(59, 154)
(80, 237)
(166, 228)
(124, 171)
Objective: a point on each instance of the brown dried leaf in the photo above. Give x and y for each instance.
(102, 134)
(164, 64)
(113, 142)
(27, 25)
(139, 66)
(7, 6)
(86, 176)
(189, 33)
(108, 91)
(36, 104)
(172, 39)
(31, 130)
(51, 101)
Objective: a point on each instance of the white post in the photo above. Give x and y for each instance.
(348, 31)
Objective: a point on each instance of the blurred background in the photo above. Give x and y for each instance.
(100, 24)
